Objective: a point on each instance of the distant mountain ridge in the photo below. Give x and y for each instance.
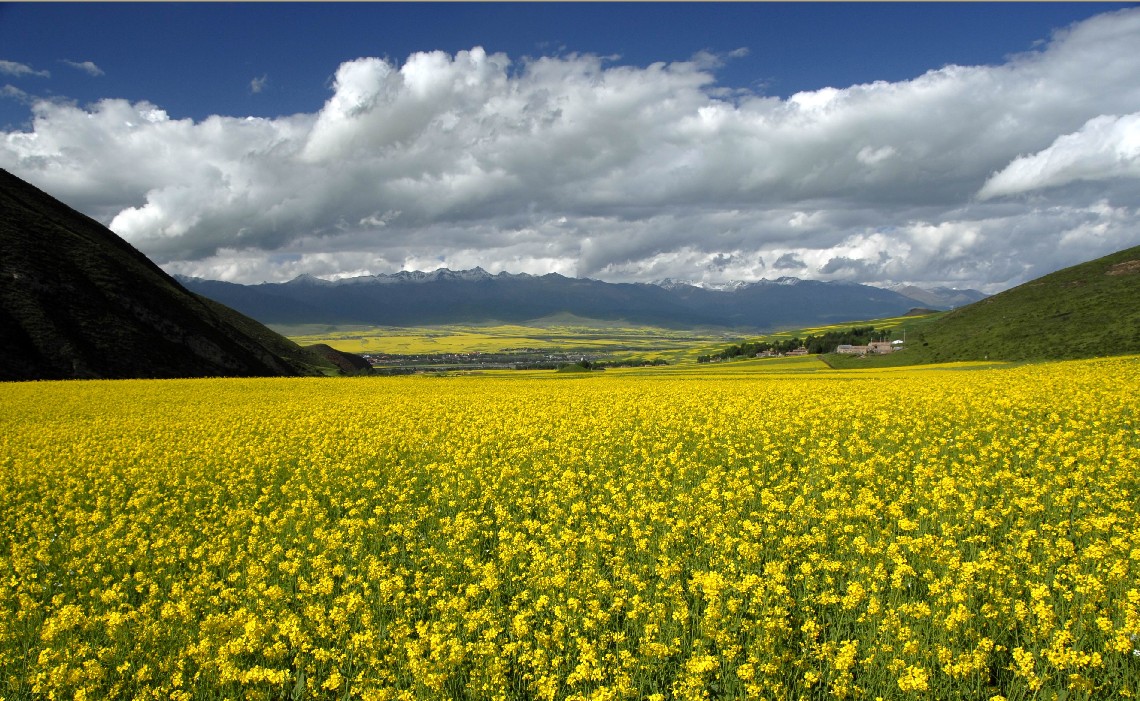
(939, 297)
(445, 296)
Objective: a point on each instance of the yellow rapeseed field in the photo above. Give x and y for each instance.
(958, 533)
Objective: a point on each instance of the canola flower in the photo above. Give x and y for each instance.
(954, 533)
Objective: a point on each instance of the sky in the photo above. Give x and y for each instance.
(974, 145)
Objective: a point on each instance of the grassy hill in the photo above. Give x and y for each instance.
(1088, 310)
(77, 301)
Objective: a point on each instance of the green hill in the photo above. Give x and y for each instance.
(77, 301)
(1088, 310)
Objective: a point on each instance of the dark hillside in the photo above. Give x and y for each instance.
(77, 301)
(347, 363)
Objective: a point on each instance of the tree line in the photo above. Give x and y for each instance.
(823, 343)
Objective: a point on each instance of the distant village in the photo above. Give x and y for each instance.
(507, 359)
(872, 348)
(858, 341)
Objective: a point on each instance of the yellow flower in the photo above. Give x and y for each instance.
(913, 678)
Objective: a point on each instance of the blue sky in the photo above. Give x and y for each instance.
(532, 141)
(198, 59)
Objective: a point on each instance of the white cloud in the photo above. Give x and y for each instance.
(19, 70)
(577, 165)
(14, 93)
(1105, 148)
(377, 220)
(87, 67)
(872, 156)
(258, 84)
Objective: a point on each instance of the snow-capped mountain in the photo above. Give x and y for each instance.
(445, 296)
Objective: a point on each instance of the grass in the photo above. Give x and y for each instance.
(1085, 311)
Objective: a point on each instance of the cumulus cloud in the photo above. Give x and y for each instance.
(258, 84)
(1105, 148)
(19, 70)
(87, 67)
(580, 165)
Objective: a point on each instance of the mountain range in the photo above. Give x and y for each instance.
(940, 298)
(443, 296)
